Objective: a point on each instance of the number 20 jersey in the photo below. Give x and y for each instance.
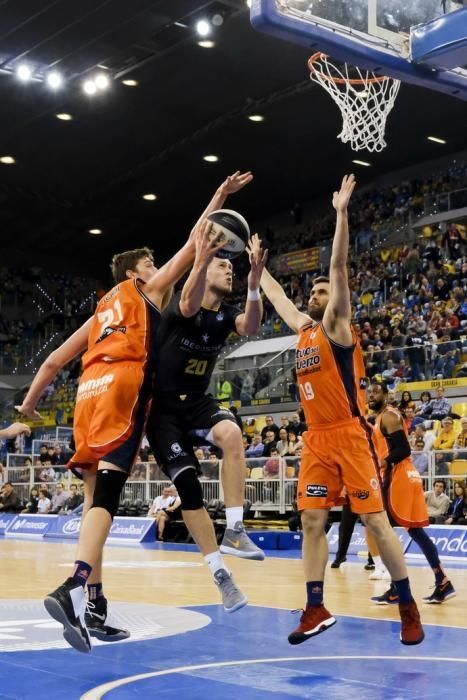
(331, 377)
(187, 348)
(123, 327)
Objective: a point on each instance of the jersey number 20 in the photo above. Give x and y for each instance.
(197, 367)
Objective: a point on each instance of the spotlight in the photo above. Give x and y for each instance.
(7, 160)
(207, 44)
(150, 197)
(101, 81)
(23, 72)
(203, 27)
(89, 87)
(256, 118)
(130, 83)
(54, 80)
(95, 231)
(211, 158)
(64, 117)
(217, 20)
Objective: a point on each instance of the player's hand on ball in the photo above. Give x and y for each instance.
(340, 200)
(258, 257)
(207, 244)
(236, 182)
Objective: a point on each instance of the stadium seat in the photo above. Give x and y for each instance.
(257, 473)
(458, 467)
(460, 409)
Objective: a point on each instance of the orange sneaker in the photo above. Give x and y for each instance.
(411, 627)
(315, 619)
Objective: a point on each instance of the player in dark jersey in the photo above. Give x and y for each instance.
(338, 450)
(193, 330)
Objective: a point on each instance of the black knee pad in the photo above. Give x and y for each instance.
(109, 484)
(189, 489)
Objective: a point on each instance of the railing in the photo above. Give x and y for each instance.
(270, 485)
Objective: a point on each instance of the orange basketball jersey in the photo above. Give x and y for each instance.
(122, 327)
(331, 377)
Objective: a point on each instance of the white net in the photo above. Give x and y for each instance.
(363, 98)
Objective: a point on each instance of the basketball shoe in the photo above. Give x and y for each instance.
(389, 597)
(337, 562)
(411, 627)
(314, 619)
(95, 617)
(237, 542)
(232, 597)
(442, 592)
(67, 605)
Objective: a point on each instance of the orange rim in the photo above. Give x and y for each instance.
(341, 81)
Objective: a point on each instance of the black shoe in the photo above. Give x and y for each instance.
(337, 562)
(369, 567)
(442, 592)
(95, 616)
(389, 597)
(66, 605)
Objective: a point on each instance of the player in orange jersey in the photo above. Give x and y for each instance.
(403, 491)
(112, 403)
(338, 450)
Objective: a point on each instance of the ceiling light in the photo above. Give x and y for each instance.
(102, 81)
(256, 118)
(217, 20)
(23, 72)
(362, 162)
(436, 139)
(89, 87)
(150, 197)
(207, 44)
(203, 27)
(7, 160)
(248, 2)
(211, 159)
(95, 231)
(130, 82)
(54, 80)
(64, 117)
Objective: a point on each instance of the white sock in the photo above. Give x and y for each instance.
(379, 563)
(215, 562)
(233, 515)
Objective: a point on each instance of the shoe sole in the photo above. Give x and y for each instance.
(241, 604)
(384, 602)
(417, 641)
(323, 626)
(256, 556)
(104, 637)
(71, 634)
(438, 602)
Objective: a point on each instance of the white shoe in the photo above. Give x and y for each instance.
(376, 575)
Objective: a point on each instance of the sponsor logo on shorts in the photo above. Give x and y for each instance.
(374, 484)
(414, 475)
(316, 491)
(94, 387)
(360, 494)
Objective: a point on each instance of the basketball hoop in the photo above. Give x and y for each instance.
(364, 99)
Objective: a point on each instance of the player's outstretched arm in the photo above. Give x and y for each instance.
(193, 289)
(14, 430)
(286, 309)
(233, 183)
(249, 322)
(71, 348)
(339, 308)
(399, 447)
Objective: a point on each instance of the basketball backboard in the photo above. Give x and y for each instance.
(377, 35)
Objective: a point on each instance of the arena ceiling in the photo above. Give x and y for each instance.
(190, 101)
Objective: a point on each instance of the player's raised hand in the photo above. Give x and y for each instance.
(207, 243)
(236, 182)
(258, 257)
(16, 429)
(340, 200)
(28, 411)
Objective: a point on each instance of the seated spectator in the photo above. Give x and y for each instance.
(43, 504)
(31, 505)
(389, 372)
(269, 442)
(199, 454)
(164, 508)
(270, 425)
(447, 435)
(256, 448)
(296, 425)
(9, 499)
(440, 406)
(73, 501)
(427, 437)
(392, 399)
(59, 499)
(48, 473)
(437, 502)
(420, 456)
(210, 467)
(43, 455)
(410, 420)
(458, 505)
(282, 445)
(293, 445)
(424, 409)
(461, 440)
(51, 455)
(406, 402)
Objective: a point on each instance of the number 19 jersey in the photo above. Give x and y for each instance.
(331, 377)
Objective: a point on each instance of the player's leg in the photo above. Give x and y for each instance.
(443, 589)
(346, 528)
(161, 521)
(380, 572)
(236, 541)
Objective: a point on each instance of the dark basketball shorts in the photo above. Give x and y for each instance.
(178, 422)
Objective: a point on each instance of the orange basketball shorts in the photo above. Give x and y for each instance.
(336, 455)
(112, 404)
(404, 496)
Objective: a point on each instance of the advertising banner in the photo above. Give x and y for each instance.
(5, 521)
(450, 541)
(358, 541)
(30, 525)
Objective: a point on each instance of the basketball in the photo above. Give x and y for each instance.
(233, 228)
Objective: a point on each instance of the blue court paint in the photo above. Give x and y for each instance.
(266, 666)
